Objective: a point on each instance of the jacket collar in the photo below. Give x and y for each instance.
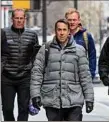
(79, 30)
(19, 31)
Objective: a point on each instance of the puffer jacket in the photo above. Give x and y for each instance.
(67, 79)
(4, 50)
(22, 45)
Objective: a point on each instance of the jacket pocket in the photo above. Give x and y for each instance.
(75, 94)
(48, 94)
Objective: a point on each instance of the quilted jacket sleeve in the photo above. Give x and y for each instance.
(85, 76)
(37, 73)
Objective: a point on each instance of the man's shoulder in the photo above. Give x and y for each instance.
(28, 30)
(6, 29)
(79, 48)
(88, 36)
(84, 30)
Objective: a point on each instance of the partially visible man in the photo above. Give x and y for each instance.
(73, 17)
(103, 64)
(22, 47)
(4, 49)
(65, 83)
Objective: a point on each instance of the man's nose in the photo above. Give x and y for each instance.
(62, 32)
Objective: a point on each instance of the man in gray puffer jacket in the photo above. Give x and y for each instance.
(65, 83)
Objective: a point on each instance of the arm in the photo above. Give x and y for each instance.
(4, 49)
(35, 50)
(37, 73)
(36, 47)
(91, 55)
(104, 63)
(86, 81)
(85, 76)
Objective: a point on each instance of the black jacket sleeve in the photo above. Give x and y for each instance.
(36, 47)
(4, 49)
(104, 61)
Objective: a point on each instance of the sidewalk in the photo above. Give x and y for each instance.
(101, 106)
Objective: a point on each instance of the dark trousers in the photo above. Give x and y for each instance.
(64, 114)
(9, 88)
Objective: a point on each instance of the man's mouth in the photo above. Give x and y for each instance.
(72, 25)
(62, 38)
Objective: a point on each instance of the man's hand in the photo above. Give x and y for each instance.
(36, 101)
(89, 106)
(106, 81)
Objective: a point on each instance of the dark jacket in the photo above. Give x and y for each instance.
(104, 62)
(91, 49)
(4, 49)
(67, 78)
(22, 44)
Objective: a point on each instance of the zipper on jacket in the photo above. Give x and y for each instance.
(19, 47)
(60, 77)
